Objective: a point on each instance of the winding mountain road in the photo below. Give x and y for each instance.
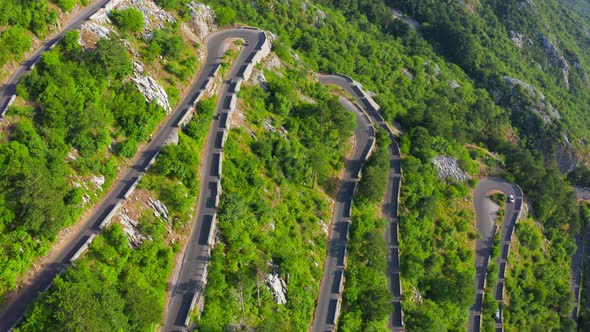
(390, 211)
(330, 296)
(15, 310)
(486, 216)
(190, 280)
(9, 89)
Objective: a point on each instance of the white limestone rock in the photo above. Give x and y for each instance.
(131, 229)
(202, 19)
(519, 39)
(278, 288)
(160, 210)
(258, 78)
(543, 108)
(407, 73)
(151, 90)
(98, 181)
(95, 29)
(555, 57)
(448, 167)
(154, 17)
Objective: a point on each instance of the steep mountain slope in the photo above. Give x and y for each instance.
(581, 7)
(532, 56)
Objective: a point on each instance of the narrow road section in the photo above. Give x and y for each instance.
(8, 92)
(486, 216)
(392, 193)
(191, 278)
(330, 295)
(120, 190)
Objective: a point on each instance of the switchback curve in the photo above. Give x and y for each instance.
(122, 188)
(330, 293)
(486, 228)
(190, 279)
(393, 188)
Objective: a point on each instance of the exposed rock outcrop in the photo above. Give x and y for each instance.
(160, 210)
(519, 39)
(154, 17)
(258, 78)
(278, 287)
(566, 157)
(151, 90)
(202, 19)
(132, 230)
(409, 21)
(407, 73)
(448, 167)
(91, 32)
(542, 108)
(555, 57)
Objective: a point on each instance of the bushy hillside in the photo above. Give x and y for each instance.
(23, 20)
(581, 7)
(531, 56)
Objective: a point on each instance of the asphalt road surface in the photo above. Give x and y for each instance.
(75, 22)
(330, 296)
(192, 274)
(486, 216)
(13, 312)
(390, 207)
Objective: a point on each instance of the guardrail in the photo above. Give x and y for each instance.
(107, 220)
(132, 187)
(151, 162)
(8, 103)
(83, 248)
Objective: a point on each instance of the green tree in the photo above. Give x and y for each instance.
(225, 16)
(128, 20)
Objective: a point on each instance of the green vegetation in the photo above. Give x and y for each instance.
(118, 288)
(175, 176)
(225, 16)
(128, 20)
(490, 305)
(580, 176)
(270, 216)
(539, 296)
(17, 17)
(584, 315)
(372, 187)
(367, 300)
(579, 6)
(446, 89)
(179, 60)
(78, 111)
(499, 199)
(114, 288)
